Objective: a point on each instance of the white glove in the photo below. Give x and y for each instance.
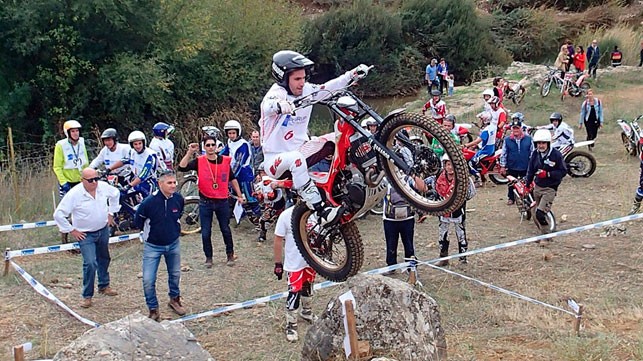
(359, 72)
(285, 107)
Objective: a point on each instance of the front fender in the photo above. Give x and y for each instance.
(624, 127)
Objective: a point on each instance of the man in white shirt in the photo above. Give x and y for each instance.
(300, 275)
(92, 205)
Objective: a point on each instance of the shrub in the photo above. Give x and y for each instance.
(627, 38)
(451, 29)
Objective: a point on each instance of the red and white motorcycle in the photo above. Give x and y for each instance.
(362, 166)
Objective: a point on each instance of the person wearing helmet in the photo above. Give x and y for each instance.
(369, 124)
(486, 95)
(486, 141)
(563, 133)
(111, 153)
(238, 149)
(514, 158)
(449, 125)
(284, 134)
(442, 185)
(546, 169)
(70, 157)
(144, 163)
(437, 106)
(498, 117)
(163, 146)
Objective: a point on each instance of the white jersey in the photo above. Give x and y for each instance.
(293, 261)
(138, 161)
(563, 135)
(495, 116)
(164, 148)
(284, 133)
(106, 157)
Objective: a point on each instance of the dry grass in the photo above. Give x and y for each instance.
(626, 37)
(480, 324)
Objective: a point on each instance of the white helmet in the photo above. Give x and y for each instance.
(542, 135)
(136, 136)
(368, 121)
(70, 124)
(488, 92)
(445, 157)
(233, 124)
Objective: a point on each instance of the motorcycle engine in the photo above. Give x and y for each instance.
(350, 187)
(361, 153)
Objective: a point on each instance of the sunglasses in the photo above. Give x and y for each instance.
(92, 180)
(210, 145)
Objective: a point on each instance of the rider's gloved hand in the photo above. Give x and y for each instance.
(285, 107)
(279, 270)
(541, 173)
(359, 72)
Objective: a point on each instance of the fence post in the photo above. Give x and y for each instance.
(6, 261)
(578, 319)
(12, 170)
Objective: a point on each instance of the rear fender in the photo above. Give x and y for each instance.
(584, 143)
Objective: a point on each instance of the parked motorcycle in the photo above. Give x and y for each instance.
(575, 85)
(632, 135)
(526, 205)
(129, 201)
(355, 181)
(515, 91)
(579, 163)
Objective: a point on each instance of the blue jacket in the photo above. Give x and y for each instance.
(158, 217)
(515, 154)
(585, 110)
(552, 162)
(593, 56)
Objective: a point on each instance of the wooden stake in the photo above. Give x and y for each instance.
(18, 353)
(6, 262)
(577, 320)
(412, 278)
(12, 170)
(359, 349)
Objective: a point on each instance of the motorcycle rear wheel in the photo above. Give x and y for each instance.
(580, 164)
(396, 177)
(497, 178)
(190, 223)
(336, 256)
(523, 205)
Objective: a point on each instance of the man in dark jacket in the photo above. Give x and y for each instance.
(593, 55)
(516, 150)
(158, 216)
(546, 169)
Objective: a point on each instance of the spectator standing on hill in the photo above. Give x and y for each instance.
(451, 84)
(616, 56)
(92, 206)
(158, 216)
(570, 54)
(443, 73)
(593, 56)
(431, 76)
(562, 61)
(579, 59)
(591, 114)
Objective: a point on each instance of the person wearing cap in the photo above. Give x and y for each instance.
(516, 150)
(70, 157)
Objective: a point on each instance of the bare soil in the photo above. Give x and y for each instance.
(481, 324)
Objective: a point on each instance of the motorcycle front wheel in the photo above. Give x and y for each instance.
(545, 87)
(497, 178)
(627, 143)
(336, 253)
(423, 160)
(580, 164)
(190, 223)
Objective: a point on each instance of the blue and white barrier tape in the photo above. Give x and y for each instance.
(500, 289)
(64, 247)
(19, 226)
(50, 296)
(326, 284)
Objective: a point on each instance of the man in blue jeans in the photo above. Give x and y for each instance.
(215, 174)
(91, 205)
(158, 216)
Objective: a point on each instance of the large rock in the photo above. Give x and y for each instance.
(395, 318)
(135, 337)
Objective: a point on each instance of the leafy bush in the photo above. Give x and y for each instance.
(571, 5)
(363, 33)
(528, 34)
(451, 29)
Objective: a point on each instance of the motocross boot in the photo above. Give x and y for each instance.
(328, 215)
(636, 206)
(444, 251)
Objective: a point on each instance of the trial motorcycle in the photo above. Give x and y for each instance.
(632, 135)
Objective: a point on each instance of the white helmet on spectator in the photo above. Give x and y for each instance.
(542, 135)
(233, 125)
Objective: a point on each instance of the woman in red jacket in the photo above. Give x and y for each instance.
(579, 59)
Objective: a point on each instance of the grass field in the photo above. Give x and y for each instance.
(480, 324)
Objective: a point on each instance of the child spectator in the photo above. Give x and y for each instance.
(579, 59)
(451, 81)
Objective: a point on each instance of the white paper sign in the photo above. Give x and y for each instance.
(343, 298)
(237, 211)
(574, 306)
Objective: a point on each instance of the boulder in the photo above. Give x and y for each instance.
(135, 337)
(396, 319)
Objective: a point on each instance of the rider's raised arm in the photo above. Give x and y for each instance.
(99, 160)
(341, 81)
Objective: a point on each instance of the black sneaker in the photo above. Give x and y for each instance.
(262, 236)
